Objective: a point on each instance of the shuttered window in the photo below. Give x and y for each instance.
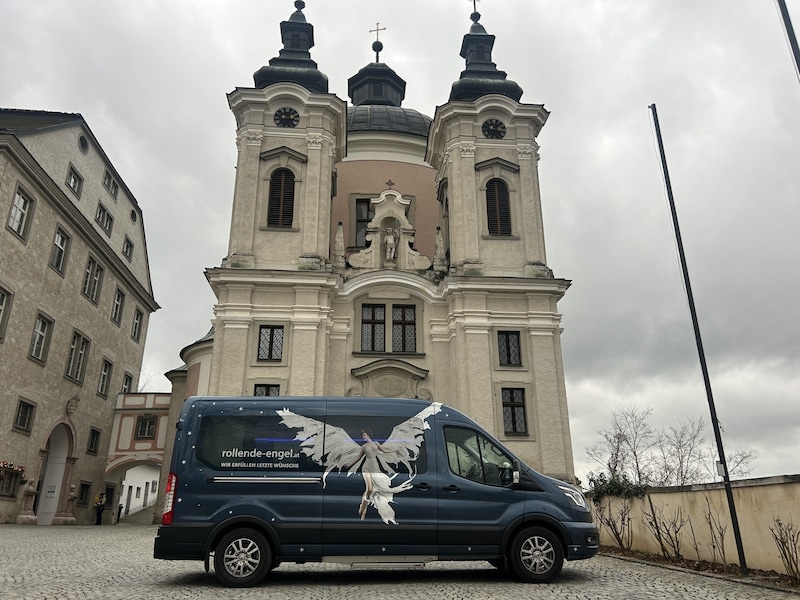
(280, 209)
(498, 209)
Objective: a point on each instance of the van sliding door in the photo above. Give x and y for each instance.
(381, 499)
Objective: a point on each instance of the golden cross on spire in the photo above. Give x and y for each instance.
(377, 31)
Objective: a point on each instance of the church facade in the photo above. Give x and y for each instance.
(378, 252)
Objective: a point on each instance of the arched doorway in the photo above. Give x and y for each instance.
(57, 452)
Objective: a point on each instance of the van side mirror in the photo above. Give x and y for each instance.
(515, 475)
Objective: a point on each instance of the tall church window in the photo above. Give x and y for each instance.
(270, 342)
(404, 328)
(373, 328)
(508, 347)
(280, 208)
(514, 420)
(498, 207)
(399, 335)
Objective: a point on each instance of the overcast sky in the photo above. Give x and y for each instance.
(150, 78)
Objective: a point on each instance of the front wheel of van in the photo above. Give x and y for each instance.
(242, 558)
(536, 555)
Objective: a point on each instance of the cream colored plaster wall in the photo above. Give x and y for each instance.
(56, 151)
(758, 502)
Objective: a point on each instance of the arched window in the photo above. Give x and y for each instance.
(281, 199)
(498, 209)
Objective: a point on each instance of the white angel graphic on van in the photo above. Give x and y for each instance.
(333, 448)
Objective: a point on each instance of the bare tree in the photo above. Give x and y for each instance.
(678, 454)
(625, 448)
(683, 453)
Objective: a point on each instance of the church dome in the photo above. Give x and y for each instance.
(377, 93)
(395, 119)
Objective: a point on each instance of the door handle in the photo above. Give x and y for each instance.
(423, 486)
(451, 488)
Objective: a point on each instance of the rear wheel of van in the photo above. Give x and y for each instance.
(536, 555)
(242, 558)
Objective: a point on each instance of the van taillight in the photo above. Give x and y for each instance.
(169, 499)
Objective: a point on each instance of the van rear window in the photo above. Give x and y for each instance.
(246, 443)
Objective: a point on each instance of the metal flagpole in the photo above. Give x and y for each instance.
(787, 23)
(706, 380)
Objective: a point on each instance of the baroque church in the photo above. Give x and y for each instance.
(375, 251)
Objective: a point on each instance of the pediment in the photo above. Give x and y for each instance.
(390, 378)
(283, 151)
(497, 162)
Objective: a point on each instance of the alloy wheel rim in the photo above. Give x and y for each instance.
(537, 555)
(242, 557)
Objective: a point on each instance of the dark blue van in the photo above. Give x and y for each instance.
(259, 481)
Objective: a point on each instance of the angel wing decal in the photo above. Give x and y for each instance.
(333, 448)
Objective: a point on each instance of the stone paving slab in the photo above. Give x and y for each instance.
(115, 562)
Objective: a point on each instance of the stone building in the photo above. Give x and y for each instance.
(75, 301)
(375, 251)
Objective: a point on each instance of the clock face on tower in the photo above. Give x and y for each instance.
(286, 117)
(494, 129)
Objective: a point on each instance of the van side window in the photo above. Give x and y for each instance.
(245, 443)
(472, 456)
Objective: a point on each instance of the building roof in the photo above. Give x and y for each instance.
(481, 77)
(379, 117)
(15, 120)
(293, 63)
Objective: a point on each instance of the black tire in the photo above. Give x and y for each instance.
(242, 558)
(536, 555)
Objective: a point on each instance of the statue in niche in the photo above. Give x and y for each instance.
(390, 240)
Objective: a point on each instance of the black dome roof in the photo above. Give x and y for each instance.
(293, 63)
(380, 117)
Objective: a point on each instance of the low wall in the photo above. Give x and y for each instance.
(758, 502)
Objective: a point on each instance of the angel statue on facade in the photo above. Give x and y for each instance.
(333, 448)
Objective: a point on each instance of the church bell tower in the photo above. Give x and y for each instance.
(483, 144)
(290, 131)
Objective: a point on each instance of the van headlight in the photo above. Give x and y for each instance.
(574, 495)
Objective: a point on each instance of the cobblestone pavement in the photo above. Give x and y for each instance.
(112, 562)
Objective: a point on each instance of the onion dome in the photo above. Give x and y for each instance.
(481, 77)
(293, 63)
(377, 93)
